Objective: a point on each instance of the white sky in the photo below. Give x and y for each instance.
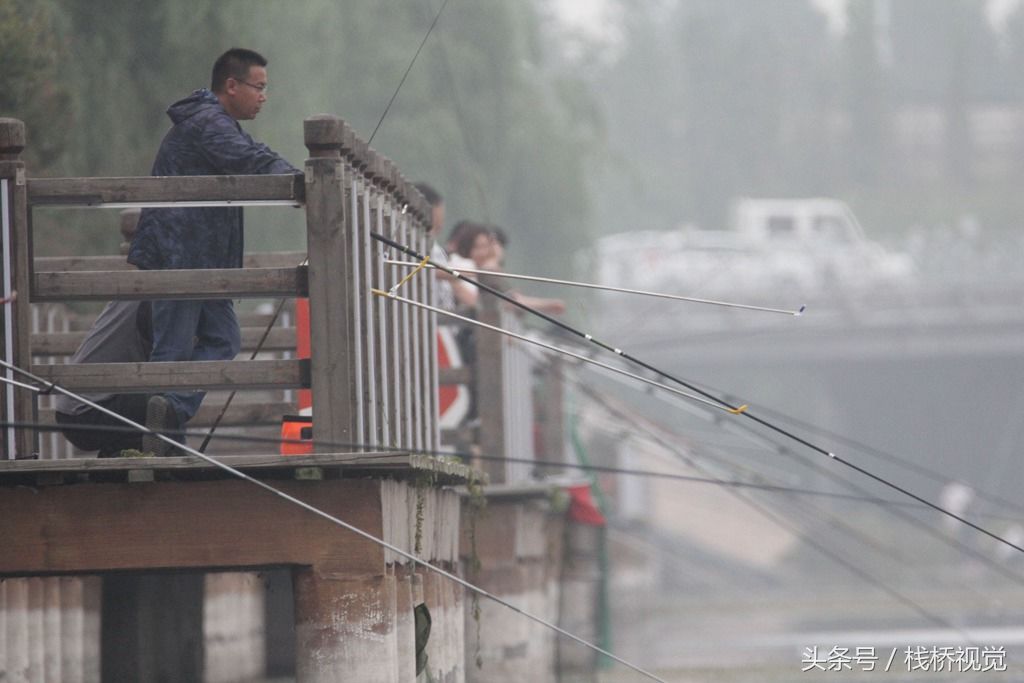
(997, 11)
(593, 16)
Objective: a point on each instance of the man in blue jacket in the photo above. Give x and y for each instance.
(206, 139)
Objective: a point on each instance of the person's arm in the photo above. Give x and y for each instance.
(465, 293)
(227, 147)
(543, 304)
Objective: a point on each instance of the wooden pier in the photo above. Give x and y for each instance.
(134, 561)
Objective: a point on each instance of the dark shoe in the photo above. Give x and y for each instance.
(160, 418)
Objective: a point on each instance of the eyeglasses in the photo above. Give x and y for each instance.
(258, 88)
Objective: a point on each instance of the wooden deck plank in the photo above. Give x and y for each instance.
(188, 525)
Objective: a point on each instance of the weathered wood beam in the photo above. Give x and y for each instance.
(196, 524)
(208, 375)
(65, 343)
(15, 273)
(238, 413)
(259, 259)
(220, 283)
(238, 189)
(389, 463)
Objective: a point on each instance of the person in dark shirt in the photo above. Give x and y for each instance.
(121, 334)
(206, 139)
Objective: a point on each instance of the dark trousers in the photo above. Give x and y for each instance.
(193, 330)
(132, 406)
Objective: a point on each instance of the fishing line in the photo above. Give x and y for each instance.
(466, 457)
(622, 290)
(839, 559)
(726, 405)
(799, 533)
(892, 458)
(952, 542)
(259, 347)
(51, 386)
(537, 342)
(475, 172)
(408, 69)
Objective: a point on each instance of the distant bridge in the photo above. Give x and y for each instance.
(935, 375)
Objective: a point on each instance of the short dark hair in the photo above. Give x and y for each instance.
(235, 63)
(467, 236)
(432, 196)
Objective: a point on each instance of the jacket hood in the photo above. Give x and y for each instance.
(188, 107)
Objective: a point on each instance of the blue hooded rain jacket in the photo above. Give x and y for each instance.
(205, 140)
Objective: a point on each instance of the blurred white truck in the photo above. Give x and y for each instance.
(772, 247)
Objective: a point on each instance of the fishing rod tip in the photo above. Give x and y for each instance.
(801, 311)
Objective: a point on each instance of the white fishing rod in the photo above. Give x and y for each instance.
(49, 387)
(555, 349)
(590, 285)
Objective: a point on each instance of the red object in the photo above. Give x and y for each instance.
(302, 346)
(446, 393)
(453, 399)
(582, 508)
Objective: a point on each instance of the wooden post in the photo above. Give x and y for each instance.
(405, 627)
(15, 269)
(490, 389)
(344, 627)
(381, 318)
(550, 409)
(333, 291)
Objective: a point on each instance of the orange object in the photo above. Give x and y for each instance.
(295, 429)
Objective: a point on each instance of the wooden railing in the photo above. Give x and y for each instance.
(518, 396)
(372, 371)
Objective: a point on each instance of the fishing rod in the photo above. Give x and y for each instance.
(720, 482)
(901, 514)
(825, 550)
(589, 285)
(280, 306)
(894, 459)
(259, 347)
(50, 387)
(710, 398)
(550, 347)
(385, 452)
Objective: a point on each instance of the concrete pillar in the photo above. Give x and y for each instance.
(342, 628)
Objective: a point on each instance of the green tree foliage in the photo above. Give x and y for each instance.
(480, 116)
(731, 100)
(127, 60)
(31, 87)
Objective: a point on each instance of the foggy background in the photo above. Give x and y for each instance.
(568, 122)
